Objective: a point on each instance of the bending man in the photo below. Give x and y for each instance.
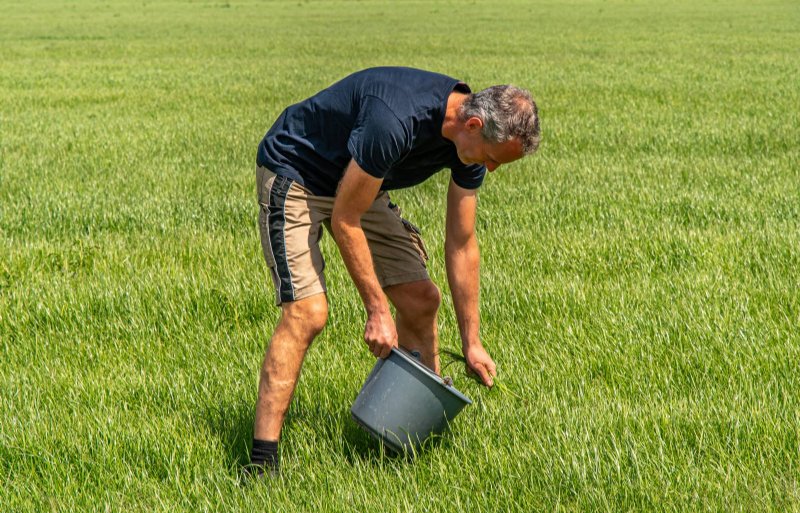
(329, 160)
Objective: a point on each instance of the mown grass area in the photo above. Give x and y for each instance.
(640, 274)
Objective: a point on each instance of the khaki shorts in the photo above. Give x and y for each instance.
(290, 222)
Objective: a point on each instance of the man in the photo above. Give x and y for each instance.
(330, 160)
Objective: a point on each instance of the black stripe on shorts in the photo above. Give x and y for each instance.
(277, 240)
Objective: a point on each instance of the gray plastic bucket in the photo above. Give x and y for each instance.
(403, 402)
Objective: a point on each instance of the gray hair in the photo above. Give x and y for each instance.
(507, 113)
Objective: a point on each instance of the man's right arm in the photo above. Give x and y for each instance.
(357, 191)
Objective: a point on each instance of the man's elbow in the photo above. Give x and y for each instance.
(460, 245)
(337, 226)
(341, 223)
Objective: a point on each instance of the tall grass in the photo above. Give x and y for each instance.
(640, 274)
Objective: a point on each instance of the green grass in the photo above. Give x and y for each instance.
(640, 274)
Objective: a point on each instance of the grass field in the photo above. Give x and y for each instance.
(641, 274)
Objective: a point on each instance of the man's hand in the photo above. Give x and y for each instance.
(479, 362)
(380, 334)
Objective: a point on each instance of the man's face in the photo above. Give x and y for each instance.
(472, 148)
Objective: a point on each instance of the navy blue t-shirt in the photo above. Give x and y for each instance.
(388, 119)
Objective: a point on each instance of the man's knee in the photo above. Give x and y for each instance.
(431, 298)
(423, 300)
(306, 316)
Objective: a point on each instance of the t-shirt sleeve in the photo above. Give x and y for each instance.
(468, 176)
(378, 139)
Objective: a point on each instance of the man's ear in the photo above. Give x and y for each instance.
(474, 124)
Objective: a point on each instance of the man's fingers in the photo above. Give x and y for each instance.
(379, 349)
(481, 370)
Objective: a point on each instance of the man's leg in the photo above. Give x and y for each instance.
(290, 220)
(417, 304)
(300, 322)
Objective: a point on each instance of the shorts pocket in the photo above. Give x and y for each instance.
(416, 238)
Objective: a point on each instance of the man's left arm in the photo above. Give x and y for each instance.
(462, 258)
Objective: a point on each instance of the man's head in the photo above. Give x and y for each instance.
(499, 125)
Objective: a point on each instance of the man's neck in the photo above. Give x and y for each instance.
(451, 123)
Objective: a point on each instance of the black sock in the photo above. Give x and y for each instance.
(265, 454)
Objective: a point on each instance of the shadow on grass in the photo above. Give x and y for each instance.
(360, 447)
(232, 425)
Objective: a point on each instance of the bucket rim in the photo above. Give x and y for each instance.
(405, 355)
